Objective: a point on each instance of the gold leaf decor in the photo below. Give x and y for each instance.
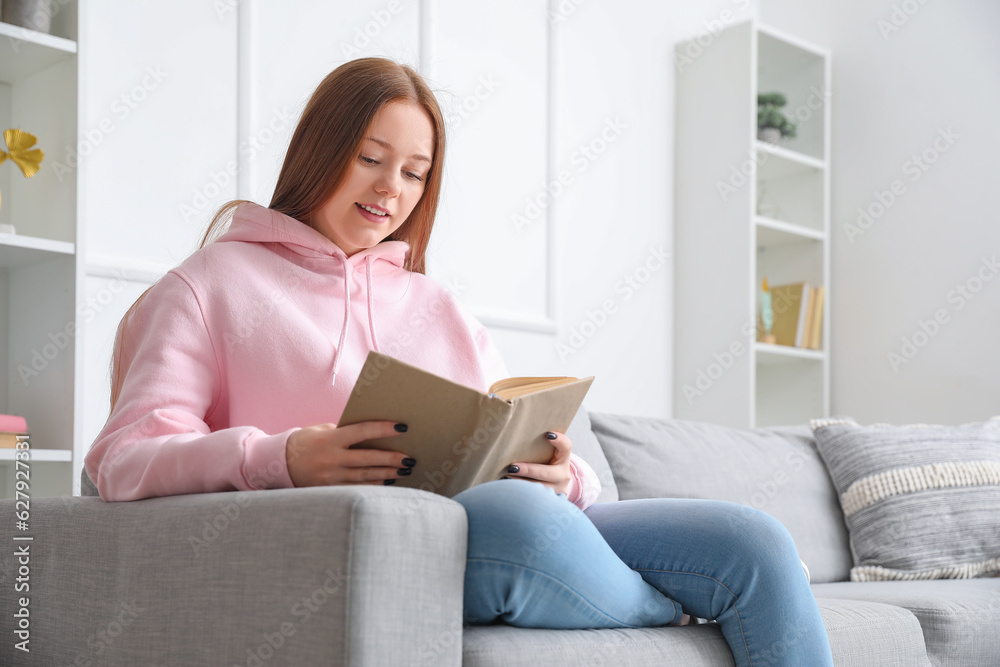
(18, 144)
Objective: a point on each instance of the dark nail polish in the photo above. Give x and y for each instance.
(409, 463)
(403, 472)
(551, 436)
(389, 482)
(513, 468)
(400, 427)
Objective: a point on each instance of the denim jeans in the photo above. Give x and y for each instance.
(536, 561)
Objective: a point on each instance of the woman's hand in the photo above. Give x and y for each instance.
(555, 474)
(319, 455)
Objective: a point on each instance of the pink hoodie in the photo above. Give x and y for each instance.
(263, 332)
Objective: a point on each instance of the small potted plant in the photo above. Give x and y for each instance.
(771, 123)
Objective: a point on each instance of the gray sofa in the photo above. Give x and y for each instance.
(373, 575)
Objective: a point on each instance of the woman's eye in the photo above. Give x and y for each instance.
(368, 160)
(410, 174)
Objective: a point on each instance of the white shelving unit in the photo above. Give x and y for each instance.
(40, 273)
(746, 209)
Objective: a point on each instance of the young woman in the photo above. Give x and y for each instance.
(231, 371)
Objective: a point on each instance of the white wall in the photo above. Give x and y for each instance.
(906, 74)
(614, 79)
(562, 75)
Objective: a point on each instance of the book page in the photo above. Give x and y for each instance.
(509, 388)
(550, 409)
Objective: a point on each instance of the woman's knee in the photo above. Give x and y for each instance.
(518, 517)
(760, 536)
(508, 498)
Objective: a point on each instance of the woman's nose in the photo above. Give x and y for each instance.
(388, 184)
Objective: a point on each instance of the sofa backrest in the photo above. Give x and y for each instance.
(87, 487)
(586, 446)
(777, 470)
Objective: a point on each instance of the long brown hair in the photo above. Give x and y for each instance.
(323, 148)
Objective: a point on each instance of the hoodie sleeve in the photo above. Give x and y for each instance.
(584, 485)
(157, 441)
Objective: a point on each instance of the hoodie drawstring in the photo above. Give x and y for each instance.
(347, 319)
(347, 312)
(371, 321)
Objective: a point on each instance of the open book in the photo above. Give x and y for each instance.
(459, 436)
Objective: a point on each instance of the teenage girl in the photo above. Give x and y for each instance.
(230, 373)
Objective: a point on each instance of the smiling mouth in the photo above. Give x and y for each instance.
(374, 210)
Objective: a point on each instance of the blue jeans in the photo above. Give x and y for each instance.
(536, 561)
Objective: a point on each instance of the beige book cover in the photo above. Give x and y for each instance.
(817, 327)
(810, 310)
(460, 436)
(790, 303)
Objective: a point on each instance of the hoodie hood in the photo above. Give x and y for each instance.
(253, 223)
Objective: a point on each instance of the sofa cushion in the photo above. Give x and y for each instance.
(960, 619)
(586, 446)
(921, 502)
(861, 633)
(773, 469)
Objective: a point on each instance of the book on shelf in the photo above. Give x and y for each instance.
(460, 436)
(798, 314)
(816, 331)
(12, 426)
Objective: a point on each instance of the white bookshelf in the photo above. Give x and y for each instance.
(40, 272)
(746, 209)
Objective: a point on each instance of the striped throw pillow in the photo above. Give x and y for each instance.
(920, 501)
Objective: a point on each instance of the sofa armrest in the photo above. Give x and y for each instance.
(327, 575)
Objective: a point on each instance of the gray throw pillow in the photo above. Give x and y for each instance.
(920, 501)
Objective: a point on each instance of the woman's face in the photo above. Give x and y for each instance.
(385, 181)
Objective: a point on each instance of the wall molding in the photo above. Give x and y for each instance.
(244, 94)
(123, 268)
(551, 237)
(518, 321)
